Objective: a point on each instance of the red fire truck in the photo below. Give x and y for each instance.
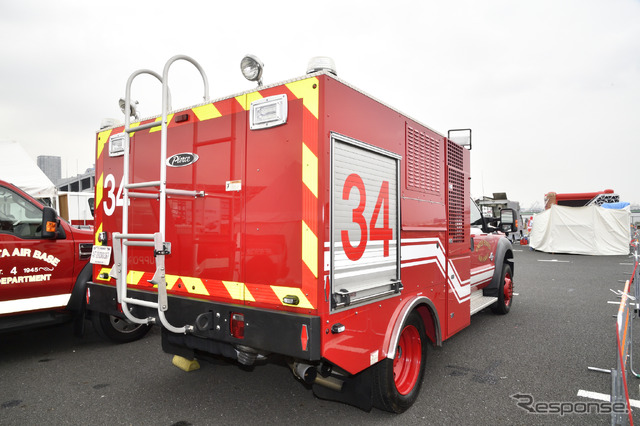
(44, 270)
(305, 219)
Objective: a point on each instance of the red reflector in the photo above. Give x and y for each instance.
(237, 325)
(120, 308)
(304, 337)
(182, 117)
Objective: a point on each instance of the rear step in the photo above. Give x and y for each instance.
(479, 302)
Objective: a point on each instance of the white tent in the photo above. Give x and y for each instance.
(17, 168)
(591, 230)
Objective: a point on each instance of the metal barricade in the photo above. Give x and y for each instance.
(619, 391)
(628, 310)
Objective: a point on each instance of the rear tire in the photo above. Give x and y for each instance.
(505, 292)
(118, 329)
(397, 382)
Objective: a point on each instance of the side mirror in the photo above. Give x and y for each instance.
(91, 202)
(508, 220)
(49, 223)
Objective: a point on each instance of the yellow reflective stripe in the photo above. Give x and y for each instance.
(242, 100)
(303, 89)
(159, 120)
(131, 126)
(99, 189)
(133, 277)
(281, 292)
(99, 230)
(310, 249)
(310, 170)
(253, 97)
(245, 100)
(238, 291)
(206, 112)
(103, 137)
(194, 285)
(171, 280)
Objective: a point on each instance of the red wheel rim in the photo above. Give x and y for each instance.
(508, 289)
(406, 364)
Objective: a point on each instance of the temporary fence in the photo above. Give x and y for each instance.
(629, 310)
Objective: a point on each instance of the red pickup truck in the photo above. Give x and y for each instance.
(44, 270)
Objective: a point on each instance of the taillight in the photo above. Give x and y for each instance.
(237, 325)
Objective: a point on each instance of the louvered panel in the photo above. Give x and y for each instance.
(423, 161)
(455, 163)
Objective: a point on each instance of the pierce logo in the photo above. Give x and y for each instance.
(182, 159)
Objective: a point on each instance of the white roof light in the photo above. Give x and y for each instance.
(321, 63)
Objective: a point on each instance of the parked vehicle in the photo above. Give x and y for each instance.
(305, 219)
(44, 270)
(492, 206)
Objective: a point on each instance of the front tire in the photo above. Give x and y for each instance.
(397, 382)
(505, 292)
(118, 329)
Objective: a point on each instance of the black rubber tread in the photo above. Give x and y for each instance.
(385, 394)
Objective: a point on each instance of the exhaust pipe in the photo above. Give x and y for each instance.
(309, 374)
(247, 355)
(305, 372)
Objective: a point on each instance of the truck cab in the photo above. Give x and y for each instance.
(44, 269)
(492, 263)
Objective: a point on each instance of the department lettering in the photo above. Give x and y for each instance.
(25, 279)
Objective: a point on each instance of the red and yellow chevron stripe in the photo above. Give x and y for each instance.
(305, 89)
(233, 292)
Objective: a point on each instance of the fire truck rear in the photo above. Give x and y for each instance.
(304, 219)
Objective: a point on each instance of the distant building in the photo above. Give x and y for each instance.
(85, 182)
(51, 165)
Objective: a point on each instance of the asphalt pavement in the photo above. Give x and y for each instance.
(494, 372)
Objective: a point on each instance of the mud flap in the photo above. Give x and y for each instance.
(356, 391)
(79, 322)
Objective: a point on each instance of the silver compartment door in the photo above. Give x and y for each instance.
(364, 227)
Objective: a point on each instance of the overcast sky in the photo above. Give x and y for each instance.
(551, 88)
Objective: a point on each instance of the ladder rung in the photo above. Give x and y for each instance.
(144, 126)
(134, 236)
(141, 302)
(139, 243)
(143, 195)
(142, 184)
(185, 192)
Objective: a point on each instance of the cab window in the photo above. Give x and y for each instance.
(18, 216)
(476, 217)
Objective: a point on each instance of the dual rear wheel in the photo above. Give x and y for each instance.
(397, 381)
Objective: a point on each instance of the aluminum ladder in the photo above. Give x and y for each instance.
(156, 240)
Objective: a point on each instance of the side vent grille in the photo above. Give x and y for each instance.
(423, 161)
(456, 192)
(454, 155)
